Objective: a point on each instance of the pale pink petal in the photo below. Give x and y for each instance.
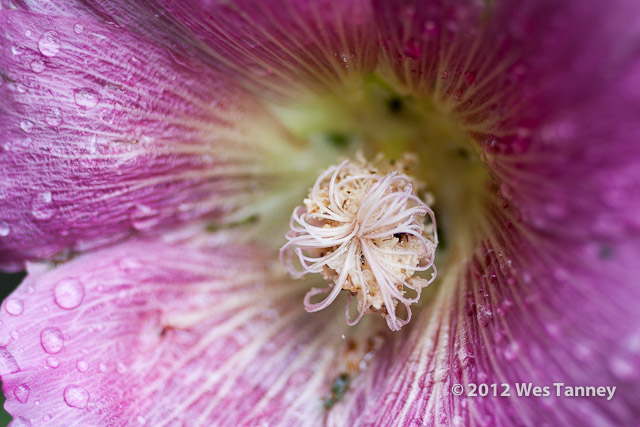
(105, 135)
(153, 333)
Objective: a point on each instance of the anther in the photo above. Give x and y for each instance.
(364, 228)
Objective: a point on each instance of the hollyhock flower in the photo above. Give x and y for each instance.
(152, 154)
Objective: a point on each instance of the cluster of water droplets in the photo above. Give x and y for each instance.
(68, 294)
(49, 46)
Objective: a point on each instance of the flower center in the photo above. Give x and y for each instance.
(331, 234)
(364, 228)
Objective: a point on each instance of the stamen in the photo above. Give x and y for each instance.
(365, 230)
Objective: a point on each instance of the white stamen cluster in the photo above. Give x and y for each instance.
(365, 229)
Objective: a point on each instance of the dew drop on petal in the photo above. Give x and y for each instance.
(552, 329)
(53, 117)
(141, 420)
(52, 362)
(121, 368)
(78, 28)
(21, 392)
(506, 191)
(82, 366)
(8, 364)
(69, 293)
(622, 368)
(49, 44)
(103, 367)
(47, 417)
(26, 125)
(457, 421)
(469, 77)
(38, 66)
(41, 207)
(76, 396)
(4, 229)
(130, 264)
(484, 314)
(52, 340)
(144, 217)
(512, 351)
(86, 98)
(14, 306)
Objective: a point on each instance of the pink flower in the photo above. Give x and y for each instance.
(151, 155)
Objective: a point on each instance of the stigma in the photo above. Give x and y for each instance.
(364, 228)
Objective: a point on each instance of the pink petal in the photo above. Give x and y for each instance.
(105, 135)
(548, 295)
(284, 47)
(271, 46)
(508, 323)
(165, 334)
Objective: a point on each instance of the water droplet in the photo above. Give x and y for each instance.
(622, 368)
(69, 293)
(632, 343)
(4, 229)
(144, 217)
(52, 362)
(512, 351)
(78, 28)
(82, 366)
(103, 367)
(130, 264)
(47, 417)
(484, 314)
(26, 125)
(41, 207)
(38, 66)
(412, 49)
(15, 335)
(121, 368)
(53, 117)
(141, 419)
(552, 329)
(8, 364)
(506, 191)
(76, 396)
(49, 44)
(469, 77)
(52, 340)
(86, 98)
(21, 392)
(14, 306)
